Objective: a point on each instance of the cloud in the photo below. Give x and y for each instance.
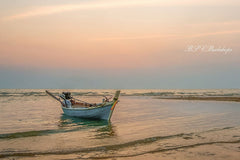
(103, 4)
(135, 37)
(48, 10)
(215, 33)
(172, 36)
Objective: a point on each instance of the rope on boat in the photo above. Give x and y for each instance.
(81, 100)
(107, 100)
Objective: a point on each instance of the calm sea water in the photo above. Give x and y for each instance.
(33, 126)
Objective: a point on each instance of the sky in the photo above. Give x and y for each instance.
(128, 44)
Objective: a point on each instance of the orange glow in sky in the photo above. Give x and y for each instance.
(123, 35)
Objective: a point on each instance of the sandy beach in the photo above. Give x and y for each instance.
(203, 98)
(142, 127)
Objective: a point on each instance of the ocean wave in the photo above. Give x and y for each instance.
(148, 92)
(21, 94)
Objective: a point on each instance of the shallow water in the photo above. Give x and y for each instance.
(34, 127)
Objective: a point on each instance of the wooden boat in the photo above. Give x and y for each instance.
(78, 108)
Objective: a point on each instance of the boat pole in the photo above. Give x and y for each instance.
(115, 101)
(58, 99)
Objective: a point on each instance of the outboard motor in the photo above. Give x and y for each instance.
(67, 95)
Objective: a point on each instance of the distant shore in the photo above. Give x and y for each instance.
(210, 98)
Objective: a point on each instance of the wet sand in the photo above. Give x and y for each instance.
(212, 144)
(210, 98)
(206, 152)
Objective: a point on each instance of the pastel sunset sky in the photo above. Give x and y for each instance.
(157, 44)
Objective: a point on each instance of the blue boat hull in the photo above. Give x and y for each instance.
(104, 112)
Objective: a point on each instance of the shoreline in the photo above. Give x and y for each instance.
(212, 98)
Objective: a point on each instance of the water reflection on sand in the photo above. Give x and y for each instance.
(102, 128)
